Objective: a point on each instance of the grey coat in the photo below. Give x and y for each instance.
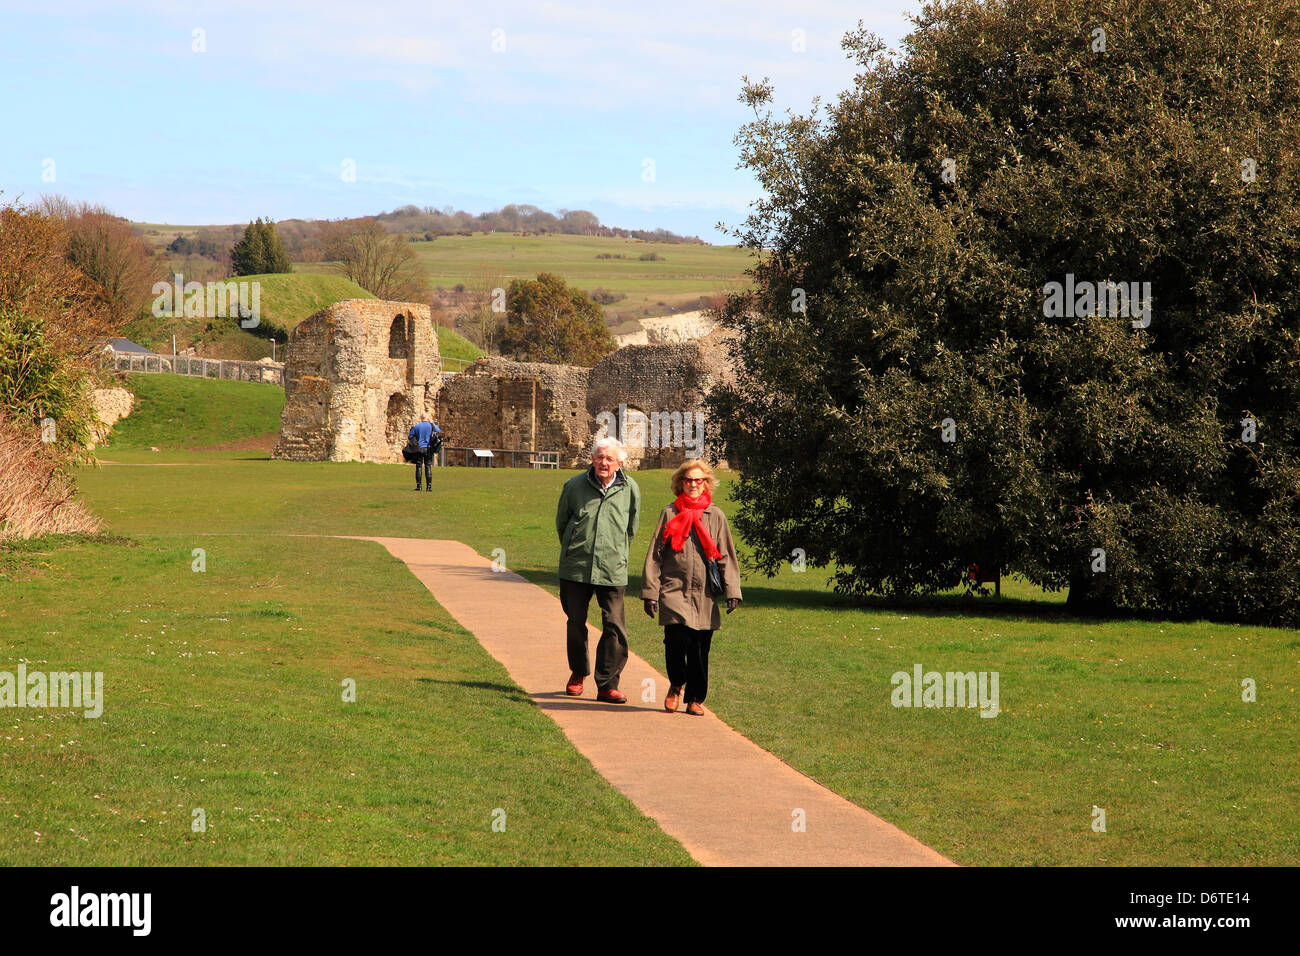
(676, 579)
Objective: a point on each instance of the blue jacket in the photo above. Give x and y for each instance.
(423, 432)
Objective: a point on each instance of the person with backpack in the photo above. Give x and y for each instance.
(423, 442)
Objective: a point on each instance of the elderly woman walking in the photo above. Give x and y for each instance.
(675, 583)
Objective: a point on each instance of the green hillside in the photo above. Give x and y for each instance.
(456, 350)
(644, 278)
(683, 273)
(288, 298)
(175, 412)
(284, 300)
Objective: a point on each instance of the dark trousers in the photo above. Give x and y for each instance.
(611, 652)
(686, 654)
(425, 459)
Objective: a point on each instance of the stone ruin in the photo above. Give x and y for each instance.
(359, 374)
(652, 398)
(649, 396)
(499, 404)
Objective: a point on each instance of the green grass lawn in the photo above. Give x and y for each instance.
(1143, 719)
(178, 412)
(224, 692)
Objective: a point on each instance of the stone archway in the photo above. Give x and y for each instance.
(399, 345)
(400, 417)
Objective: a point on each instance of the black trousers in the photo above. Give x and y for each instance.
(611, 652)
(686, 654)
(425, 459)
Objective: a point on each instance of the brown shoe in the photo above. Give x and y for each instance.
(673, 699)
(574, 687)
(695, 709)
(612, 696)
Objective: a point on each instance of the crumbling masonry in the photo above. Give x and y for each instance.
(360, 372)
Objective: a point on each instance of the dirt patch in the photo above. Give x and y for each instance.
(257, 443)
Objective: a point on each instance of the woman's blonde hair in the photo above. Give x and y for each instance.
(678, 482)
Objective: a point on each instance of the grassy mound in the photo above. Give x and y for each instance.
(175, 412)
(287, 299)
(456, 350)
(284, 300)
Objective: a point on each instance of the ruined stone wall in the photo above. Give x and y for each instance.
(358, 374)
(497, 403)
(652, 397)
(111, 405)
(355, 383)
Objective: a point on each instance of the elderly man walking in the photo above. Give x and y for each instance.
(596, 521)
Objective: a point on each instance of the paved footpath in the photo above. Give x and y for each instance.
(725, 799)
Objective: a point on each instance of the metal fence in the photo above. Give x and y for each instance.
(501, 458)
(197, 367)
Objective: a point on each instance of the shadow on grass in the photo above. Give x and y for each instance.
(933, 605)
(507, 690)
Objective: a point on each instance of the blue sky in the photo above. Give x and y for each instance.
(114, 101)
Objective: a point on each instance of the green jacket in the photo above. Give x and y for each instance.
(596, 528)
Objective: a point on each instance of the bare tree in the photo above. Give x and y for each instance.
(108, 251)
(487, 310)
(381, 263)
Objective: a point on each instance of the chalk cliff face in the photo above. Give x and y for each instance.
(358, 375)
(669, 329)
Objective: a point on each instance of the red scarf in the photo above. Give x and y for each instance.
(679, 525)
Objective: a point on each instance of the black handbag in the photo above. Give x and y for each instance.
(712, 571)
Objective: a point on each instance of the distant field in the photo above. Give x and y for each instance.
(675, 282)
(684, 274)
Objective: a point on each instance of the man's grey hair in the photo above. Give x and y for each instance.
(424, 417)
(609, 442)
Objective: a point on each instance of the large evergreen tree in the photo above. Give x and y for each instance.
(914, 392)
(260, 251)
